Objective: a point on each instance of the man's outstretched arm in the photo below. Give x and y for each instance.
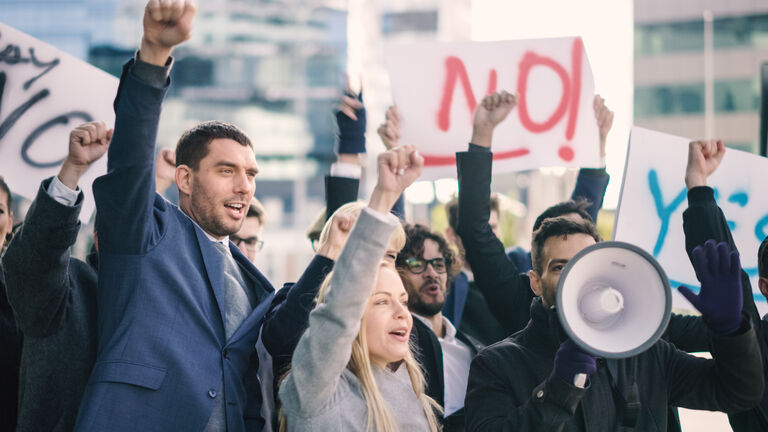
(592, 182)
(507, 292)
(125, 195)
(37, 261)
(703, 220)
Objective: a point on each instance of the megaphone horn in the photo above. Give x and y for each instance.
(614, 300)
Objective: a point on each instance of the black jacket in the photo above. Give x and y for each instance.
(343, 190)
(290, 310)
(512, 386)
(507, 291)
(54, 297)
(10, 356)
(704, 220)
(429, 353)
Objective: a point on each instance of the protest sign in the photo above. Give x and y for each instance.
(437, 86)
(44, 94)
(654, 196)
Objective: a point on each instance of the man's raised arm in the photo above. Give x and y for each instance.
(37, 263)
(126, 194)
(592, 182)
(704, 220)
(505, 289)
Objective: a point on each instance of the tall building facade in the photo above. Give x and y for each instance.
(675, 83)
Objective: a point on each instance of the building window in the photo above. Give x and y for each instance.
(737, 95)
(685, 36)
(664, 100)
(741, 95)
(747, 32)
(411, 21)
(324, 70)
(669, 37)
(193, 72)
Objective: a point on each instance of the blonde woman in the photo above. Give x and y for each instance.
(353, 369)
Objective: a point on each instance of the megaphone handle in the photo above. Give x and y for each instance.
(580, 380)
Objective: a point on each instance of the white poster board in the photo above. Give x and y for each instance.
(437, 86)
(44, 94)
(654, 196)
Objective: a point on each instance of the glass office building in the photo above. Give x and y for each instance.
(670, 70)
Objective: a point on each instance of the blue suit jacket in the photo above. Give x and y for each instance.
(162, 350)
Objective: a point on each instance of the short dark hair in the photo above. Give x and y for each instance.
(557, 227)
(4, 187)
(193, 143)
(452, 210)
(415, 235)
(762, 259)
(579, 207)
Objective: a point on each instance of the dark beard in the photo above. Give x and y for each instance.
(424, 309)
(204, 215)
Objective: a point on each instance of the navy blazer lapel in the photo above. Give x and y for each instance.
(214, 263)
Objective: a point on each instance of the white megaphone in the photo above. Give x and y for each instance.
(614, 300)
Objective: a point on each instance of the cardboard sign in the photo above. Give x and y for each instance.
(437, 86)
(654, 196)
(44, 94)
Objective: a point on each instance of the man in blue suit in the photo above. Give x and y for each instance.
(179, 306)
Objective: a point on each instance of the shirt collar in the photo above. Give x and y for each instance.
(450, 330)
(468, 273)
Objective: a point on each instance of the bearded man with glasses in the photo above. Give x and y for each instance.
(426, 264)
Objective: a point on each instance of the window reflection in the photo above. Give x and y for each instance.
(728, 32)
(741, 95)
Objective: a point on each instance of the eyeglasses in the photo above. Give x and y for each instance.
(419, 265)
(253, 244)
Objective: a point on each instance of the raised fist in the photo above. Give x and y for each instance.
(167, 23)
(491, 111)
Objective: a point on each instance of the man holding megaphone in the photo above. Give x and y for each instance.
(540, 379)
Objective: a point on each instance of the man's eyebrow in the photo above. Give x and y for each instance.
(226, 163)
(557, 261)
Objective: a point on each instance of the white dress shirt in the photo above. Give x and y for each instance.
(457, 357)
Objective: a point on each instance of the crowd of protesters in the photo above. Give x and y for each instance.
(393, 326)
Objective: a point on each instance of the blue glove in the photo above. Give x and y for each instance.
(351, 132)
(721, 298)
(570, 360)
